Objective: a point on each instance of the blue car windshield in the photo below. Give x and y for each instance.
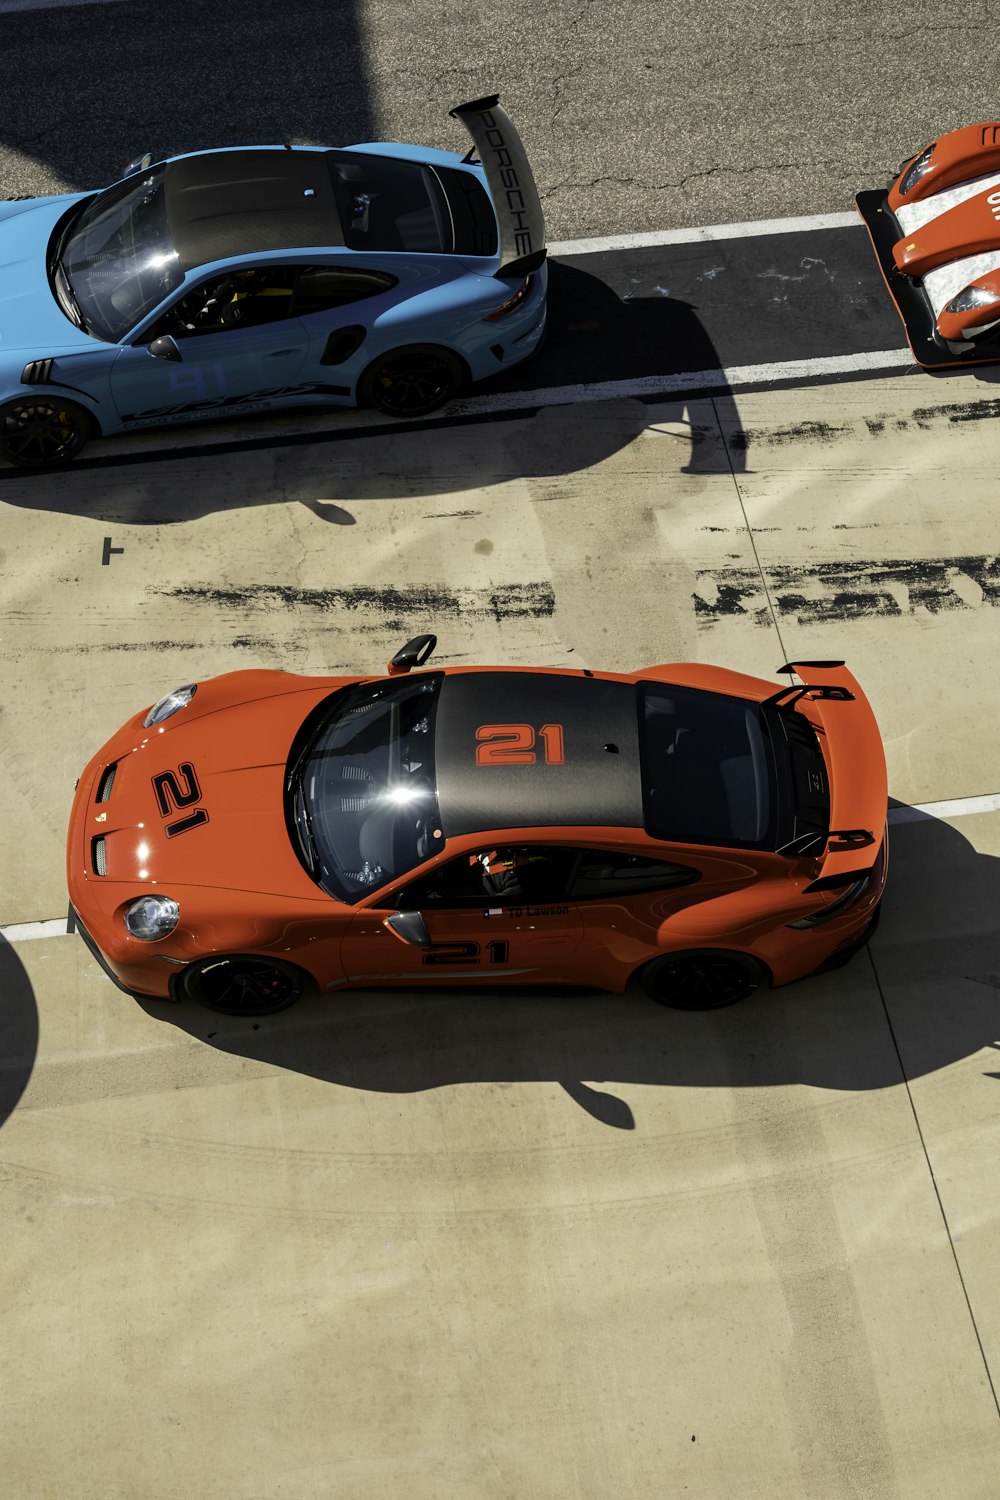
(119, 258)
(361, 794)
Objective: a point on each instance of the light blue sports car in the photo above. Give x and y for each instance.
(244, 280)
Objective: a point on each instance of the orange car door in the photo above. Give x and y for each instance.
(498, 914)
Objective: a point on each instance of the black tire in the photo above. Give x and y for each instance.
(703, 980)
(242, 984)
(39, 432)
(412, 381)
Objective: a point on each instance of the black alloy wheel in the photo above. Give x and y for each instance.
(412, 382)
(38, 432)
(702, 981)
(242, 984)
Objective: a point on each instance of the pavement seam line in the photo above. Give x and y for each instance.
(753, 541)
(934, 1184)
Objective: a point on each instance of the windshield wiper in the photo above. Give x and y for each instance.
(57, 271)
(303, 824)
(67, 298)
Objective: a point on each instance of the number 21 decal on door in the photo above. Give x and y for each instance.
(513, 745)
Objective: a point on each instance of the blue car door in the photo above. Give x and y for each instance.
(240, 349)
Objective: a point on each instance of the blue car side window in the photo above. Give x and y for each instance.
(321, 288)
(239, 299)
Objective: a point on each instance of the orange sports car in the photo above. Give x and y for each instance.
(260, 835)
(936, 233)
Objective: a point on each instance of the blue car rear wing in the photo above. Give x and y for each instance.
(511, 184)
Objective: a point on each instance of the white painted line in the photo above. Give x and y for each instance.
(692, 380)
(23, 932)
(961, 807)
(331, 424)
(707, 232)
(957, 807)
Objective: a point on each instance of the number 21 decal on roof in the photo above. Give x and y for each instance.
(512, 745)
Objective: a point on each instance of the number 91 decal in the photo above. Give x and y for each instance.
(513, 745)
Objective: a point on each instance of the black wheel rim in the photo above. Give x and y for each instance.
(413, 383)
(704, 982)
(244, 986)
(40, 432)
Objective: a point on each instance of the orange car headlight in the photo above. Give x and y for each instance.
(170, 704)
(972, 299)
(916, 170)
(152, 917)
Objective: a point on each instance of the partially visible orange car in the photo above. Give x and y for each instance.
(936, 232)
(261, 835)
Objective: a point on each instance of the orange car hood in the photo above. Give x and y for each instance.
(238, 759)
(970, 228)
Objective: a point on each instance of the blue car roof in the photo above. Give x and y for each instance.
(222, 204)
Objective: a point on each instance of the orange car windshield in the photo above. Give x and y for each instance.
(708, 772)
(361, 795)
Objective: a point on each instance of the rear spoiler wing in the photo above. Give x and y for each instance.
(511, 184)
(851, 744)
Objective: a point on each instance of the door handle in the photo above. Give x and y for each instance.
(277, 353)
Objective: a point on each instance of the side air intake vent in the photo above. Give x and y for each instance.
(107, 782)
(37, 372)
(98, 855)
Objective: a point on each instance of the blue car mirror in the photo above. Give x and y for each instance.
(165, 347)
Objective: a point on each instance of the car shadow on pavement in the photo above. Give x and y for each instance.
(922, 997)
(18, 1029)
(181, 474)
(595, 336)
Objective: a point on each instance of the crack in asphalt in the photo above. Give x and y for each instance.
(656, 187)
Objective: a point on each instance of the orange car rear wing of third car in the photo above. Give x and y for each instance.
(831, 698)
(511, 184)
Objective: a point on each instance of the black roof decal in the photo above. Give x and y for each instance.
(243, 202)
(533, 749)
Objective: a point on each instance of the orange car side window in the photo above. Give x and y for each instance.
(511, 745)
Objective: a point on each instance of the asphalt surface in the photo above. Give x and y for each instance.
(665, 309)
(636, 117)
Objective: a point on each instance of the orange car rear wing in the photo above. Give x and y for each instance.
(511, 183)
(831, 698)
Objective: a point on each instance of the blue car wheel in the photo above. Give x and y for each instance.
(412, 381)
(39, 431)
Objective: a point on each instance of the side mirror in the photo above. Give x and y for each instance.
(165, 347)
(413, 654)
(139, 165)
(409, 927)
